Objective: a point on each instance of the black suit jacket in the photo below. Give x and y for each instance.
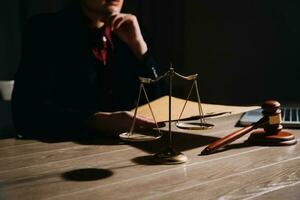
(58, 83)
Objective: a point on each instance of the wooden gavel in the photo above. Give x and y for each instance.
(271, 135)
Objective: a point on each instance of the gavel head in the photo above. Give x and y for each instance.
(271, 111)
(272, 135)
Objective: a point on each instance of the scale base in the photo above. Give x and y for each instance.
(138, 137)
(170, 157)
(280, 138)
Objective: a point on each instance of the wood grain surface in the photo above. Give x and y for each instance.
(112, 169)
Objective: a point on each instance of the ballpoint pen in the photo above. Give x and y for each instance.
(208, 115)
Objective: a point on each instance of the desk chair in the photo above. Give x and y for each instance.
(6, 124)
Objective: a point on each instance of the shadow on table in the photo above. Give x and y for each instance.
(87, 174)
(181, 142)
(145, 160)
(82, 139)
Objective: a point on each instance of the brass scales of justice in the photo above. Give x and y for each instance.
(169, 155)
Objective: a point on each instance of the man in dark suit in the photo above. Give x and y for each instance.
(79, 71)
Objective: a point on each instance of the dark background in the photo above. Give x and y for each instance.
(244, 51)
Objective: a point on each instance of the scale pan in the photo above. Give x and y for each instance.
(194, 125)
(138, 137)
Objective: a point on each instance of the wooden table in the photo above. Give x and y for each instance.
(111, 169)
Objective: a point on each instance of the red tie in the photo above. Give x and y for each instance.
(102, 50)
(103, 45)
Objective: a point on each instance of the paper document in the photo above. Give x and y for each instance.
(160, 108)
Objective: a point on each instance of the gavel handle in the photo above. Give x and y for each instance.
(226, 140)
(232, 137)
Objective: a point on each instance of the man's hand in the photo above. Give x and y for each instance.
(128, 30)
(118, 122)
